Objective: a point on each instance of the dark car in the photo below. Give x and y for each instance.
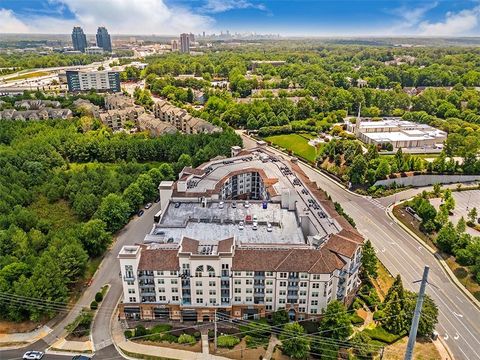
(157, 200)
(81, 357)
(140, 212)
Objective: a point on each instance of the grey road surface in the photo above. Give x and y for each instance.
(459, 318)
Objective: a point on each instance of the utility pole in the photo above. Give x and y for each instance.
(416, 316)
(215, 331)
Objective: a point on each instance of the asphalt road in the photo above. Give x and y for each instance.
(459, 318)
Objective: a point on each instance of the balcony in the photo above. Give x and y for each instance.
(225, 274)
(225, 285)
(353, 269)
(292, 287)
(129, 277)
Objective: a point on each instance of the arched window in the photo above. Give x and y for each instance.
(211, 271)
(199, 271)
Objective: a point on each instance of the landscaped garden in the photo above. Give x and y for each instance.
(297, 144)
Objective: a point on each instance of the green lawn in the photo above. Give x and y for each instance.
(296, 143)
(29, 75)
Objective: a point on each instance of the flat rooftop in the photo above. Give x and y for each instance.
(185, 216)
(402, 136)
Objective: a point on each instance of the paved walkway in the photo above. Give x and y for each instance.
(22, 338)
(72, 346)
(205, 347)
(271, 347)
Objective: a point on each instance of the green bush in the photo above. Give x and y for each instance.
(356, 319)
(140, 331)
(160, 328)
(98, 297)
(186, 339)
(93, 305)
(197, 335)
(357, 304)
(227, 341)
(377, 315)
(380, 334)
(169, 338)
(128, 334)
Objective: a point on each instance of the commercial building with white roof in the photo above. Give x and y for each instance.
(242, 236)
(398, 132)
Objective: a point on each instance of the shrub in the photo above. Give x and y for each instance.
(356, 319)
(380, 334)
(197, 335)
(357, 304)
(211, 334)
(128, 334)
(227, 341)
(169, 338)
(160, 328)
(186, 339)
(93, 305)
(98, 297)
(377, 315)
(140, 331)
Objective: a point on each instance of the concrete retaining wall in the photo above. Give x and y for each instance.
(425, 180)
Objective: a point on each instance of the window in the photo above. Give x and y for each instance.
(313, 311)
(238, 282)
(199, 292)
(129, 271)
(249, 273)
(282, 292)
(303, 276)
(132, 299)
(281, 301)
(249, 282)
(283, 283)
(314, 294)
(160, 273)
(237, 273)
(302, 293)
(174, 281)
(238, 290)
(211, 283)
(302, 301)
(160, 281)
(224, 266)
(174, 290)
(248, 299)
(212, 300)
(212, 292)
(269, 273)
(175, 298)
(283, 275)
(316, 276)
(162, 298)
(129, 282)
(238, 298)
(268, 299)
(198, 283)
(315, 286)
(268, 307)
(131, 291)
(199, 271)
(173, 273)
(303, 284)
(269, 282)
(199, 301)
(248, 291)
(302, 310)
(211, 271)
(314, 302)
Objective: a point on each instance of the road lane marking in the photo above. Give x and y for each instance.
(446, 336)
(457, 315)
(456, 336)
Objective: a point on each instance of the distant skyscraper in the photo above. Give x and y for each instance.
(191, 37)
(79, 39)
(103, 39)
(174, 44)
(185, 43)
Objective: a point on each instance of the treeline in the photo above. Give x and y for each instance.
(33, 60)
(55, 214)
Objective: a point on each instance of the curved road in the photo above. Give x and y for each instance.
(459, 318)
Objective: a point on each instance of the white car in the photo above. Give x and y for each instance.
(269, 227)
(148, 206)
(221, 204)
(255, 225)
(241, 225)
(246, 204)
(33, 355)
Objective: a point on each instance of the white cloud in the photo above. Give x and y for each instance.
(459, 23)
(119, 16)
(218, 6)
(408, 18)
(10, 24)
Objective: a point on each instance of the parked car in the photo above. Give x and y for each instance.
(246, 204)
(148, 206)
(33, 355)
(234, 205)
(81, 357)
(269, 227)
(140, 212)
(177, 205)
(241, 225)
(157, 199)
(221, 204)
(255, 225)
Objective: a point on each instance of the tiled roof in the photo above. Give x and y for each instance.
(342, 245)
(225, 246)
(158, 259)
(189, 245)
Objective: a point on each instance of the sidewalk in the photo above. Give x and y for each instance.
(24, 338)
(63, 345)
(130, 348)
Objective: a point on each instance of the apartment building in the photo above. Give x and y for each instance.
(182, 120)
(243, 237)
(84, 80)
(118, 101)
(117, 119)
(154, 126)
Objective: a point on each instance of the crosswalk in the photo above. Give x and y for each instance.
(376, 203)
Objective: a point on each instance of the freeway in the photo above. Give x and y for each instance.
(459, 318)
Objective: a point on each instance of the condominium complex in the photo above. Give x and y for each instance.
(241, 236)
(182, 120)
(78, 80)
(398, 132)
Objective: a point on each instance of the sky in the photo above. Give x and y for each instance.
(284, 17)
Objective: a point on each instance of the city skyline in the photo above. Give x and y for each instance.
(287, 18)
